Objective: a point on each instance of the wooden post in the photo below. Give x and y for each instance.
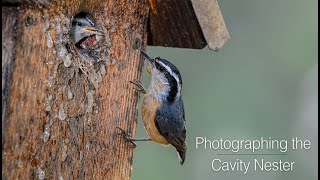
(60, 123)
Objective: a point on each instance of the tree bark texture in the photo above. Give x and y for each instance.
(60, 123)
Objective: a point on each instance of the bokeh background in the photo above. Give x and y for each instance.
(263, 83)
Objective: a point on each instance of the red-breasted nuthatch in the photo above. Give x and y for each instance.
(162, 107)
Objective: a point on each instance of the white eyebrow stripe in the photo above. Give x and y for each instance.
(174, 75)
(89, 20)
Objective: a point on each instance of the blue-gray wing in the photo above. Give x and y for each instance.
(170, 122)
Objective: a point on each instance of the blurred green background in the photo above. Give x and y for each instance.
(263, 83)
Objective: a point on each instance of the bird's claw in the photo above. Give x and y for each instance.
(139, 86)
(126, 136)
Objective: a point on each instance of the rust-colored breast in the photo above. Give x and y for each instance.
(149, 108)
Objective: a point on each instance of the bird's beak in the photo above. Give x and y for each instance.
(151, 60)
(93, 31)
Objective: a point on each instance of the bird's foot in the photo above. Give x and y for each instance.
(126, 136)
(139, 86)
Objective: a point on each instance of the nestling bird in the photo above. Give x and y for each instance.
(162, 107)
(83, 33)
(83, 26)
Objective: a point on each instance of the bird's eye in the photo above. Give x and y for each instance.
(161, 68)
(80, 24)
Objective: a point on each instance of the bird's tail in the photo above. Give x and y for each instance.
(182, 154)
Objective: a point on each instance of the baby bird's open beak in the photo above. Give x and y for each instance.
(93, 31)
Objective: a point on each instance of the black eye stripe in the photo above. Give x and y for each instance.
(173, 87)
(172, 67)
(171, 80)
(159, 67)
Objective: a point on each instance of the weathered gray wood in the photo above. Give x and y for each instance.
(212, 24)
(9, 27)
